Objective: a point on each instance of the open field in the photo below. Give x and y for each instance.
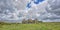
(40, 26)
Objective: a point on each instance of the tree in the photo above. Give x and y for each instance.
(30, 21)
(24, 21)
(36, 21)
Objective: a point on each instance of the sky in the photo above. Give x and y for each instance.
(34, 1)
(17, 10)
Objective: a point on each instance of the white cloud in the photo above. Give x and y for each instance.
(48, 9)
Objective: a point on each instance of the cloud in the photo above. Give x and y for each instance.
(54, 8)
(17, 10)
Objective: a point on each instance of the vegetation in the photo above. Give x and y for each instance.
(40, 26)
(30, 21)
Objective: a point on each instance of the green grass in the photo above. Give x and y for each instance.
(40, 26)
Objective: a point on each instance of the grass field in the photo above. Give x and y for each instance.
(40, 26)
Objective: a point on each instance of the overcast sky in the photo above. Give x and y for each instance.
(47, 10)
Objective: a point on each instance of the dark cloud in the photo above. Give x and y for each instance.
(53, 8)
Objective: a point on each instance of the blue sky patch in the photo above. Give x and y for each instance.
(35, 2)
(38, 1)
(29, 5)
